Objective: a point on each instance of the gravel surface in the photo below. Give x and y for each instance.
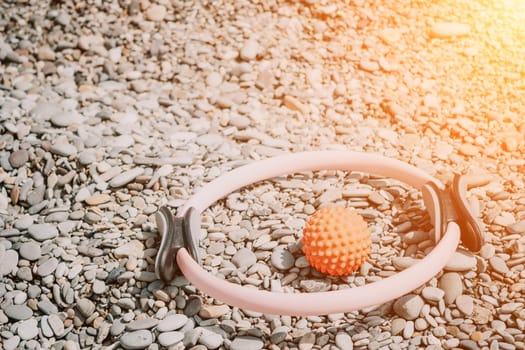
(110, 109)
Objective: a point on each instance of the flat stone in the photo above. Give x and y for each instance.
(156, 13)
(170, 338)
(307, 341)
(126, 177)
(517, 228)
(30, 251)
(465, 304)
(63, 149)
(449, 29)
(211, 339)
(98, 199)
(23, 222)
(461, 261)
(12, 343)
(172, 322)
(86, 307)
(397, 326)
(409, 306)
(279, 334)
(99, 287)
(65, 119)
(246, 343)
(18, 158)
(140, 339)
(56, 324)
(452, 285)
(47, 267)
(344, 341)
(282, 259)
(27, 329)
(432, 294)
(133, 248)
(145, 323)
(244, 258)
(42, 232)
(403, 262)
(213, 311)
(8, 262)
(499, 265)
(18, 312)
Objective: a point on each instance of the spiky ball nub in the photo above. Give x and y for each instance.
(336, 241)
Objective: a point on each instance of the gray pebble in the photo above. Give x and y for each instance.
(86, 307)
(126, 177)
(246, 343)
(408, 306)
(18, 158)
(244, 258)
(42, 232)
(344, 341)
(145, 323)
(47, 307)
(172, 322)
(8, 262)
(210, 339)
(47, 267)
(23, 222)
(170, 338)
(140, 339)
(28, 329)
(64, 119)
(18, 312)
(282, 259)
(56, 324)
(12, 342)
(63, 149)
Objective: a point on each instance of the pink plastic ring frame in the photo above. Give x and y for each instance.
(321, 303)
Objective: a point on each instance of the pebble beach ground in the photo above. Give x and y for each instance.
(110, 109)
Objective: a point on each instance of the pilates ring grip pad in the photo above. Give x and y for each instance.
(447, 207)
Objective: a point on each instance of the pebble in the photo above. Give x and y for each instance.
(461, 261)
(18, 158)
(63, 149)
(172, 322)
(145, 323)
(465, 304)
(42, 232)
(126, 177)
(282, 259)
(344, 341)
(27, 329)
(517, 228)
(30, 251)
(432, 294)
(449, 29)
(211, 339)
(249, 50)
(170, 338)
(409, 306)
(18, 312)
(47, 267)
(452, 285)
(8, 262)
(498, 265)
(65, 119)
(86, 307)
(246, 343)
(244, 258)
(140, 339)
(156, 13)
(214, 311)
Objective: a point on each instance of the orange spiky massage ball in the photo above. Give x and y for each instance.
(336, 241)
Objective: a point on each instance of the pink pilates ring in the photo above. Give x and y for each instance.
(446, 206)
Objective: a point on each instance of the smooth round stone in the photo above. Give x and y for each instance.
(279, 334)
(86, 307)
(172, 322)
(18, 312)
(282, 259)
(246, 343)
(452, 285)
(461, 261)
(23, 222)
(30, 251)
(87, 157)
(8, 262)
(18, 158)
(12, 343)
(170, 338)
(42, 232)
(47, 267)
(64, 119)
(344, 341)
(432, 294)
(499, 265)
(99, 287)
(244, 258)
(210, 339)
(140, 339)
(27, 329)
(146, 323)
(126, 177)
(465, 304)
(409, 306)
(56, 324)
(63, 149)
